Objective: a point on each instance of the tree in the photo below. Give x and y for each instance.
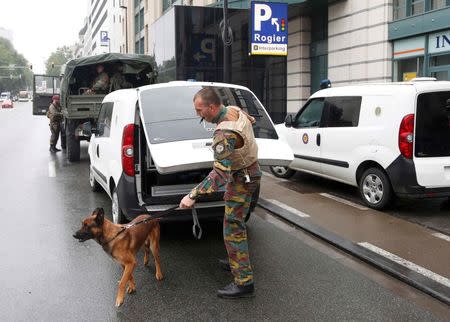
(15, 74)
(57, 59)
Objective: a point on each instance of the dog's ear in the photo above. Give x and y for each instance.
(99, 214)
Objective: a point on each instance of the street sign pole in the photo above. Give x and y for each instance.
(226, 67)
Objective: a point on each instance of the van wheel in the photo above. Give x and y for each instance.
(375, 188)
(72, 143)
(253, 204)
(95, 186)
(117, 214)
(282, 172)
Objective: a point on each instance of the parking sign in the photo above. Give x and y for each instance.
(269, 28)
(104, 39)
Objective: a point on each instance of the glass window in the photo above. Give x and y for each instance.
(440, 60)
(417, 7)
(433, 125)
(310, 115)
(441, 75)
(141, 19)
(437, 4)
(406, 69)
(342, 111)
(176, 120)
(399, 9)
(104, 120)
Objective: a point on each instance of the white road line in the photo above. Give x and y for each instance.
(51, 169)
(419, 269)
(289, 208)
(442, 236)
(344, 201)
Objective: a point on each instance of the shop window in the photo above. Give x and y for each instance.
(440, 60)
(417, 7)
(437, 4)
(407, 69)
(399, 9)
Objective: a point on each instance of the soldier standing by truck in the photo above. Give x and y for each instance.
(56, 117)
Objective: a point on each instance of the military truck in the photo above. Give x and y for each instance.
(80, 104)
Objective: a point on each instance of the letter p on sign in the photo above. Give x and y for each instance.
(262, 13)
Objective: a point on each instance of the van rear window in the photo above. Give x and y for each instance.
(433, 125)
(169, 113)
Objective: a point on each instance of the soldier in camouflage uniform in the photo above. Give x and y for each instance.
(236, 166)
(56, 117)
(118, 80)
(101, 82)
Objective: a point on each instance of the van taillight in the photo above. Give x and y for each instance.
(406, 136)
(128, 150)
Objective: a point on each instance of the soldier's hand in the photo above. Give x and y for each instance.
(186, 202)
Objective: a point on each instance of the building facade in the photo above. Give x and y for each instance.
(104, 28)
(346, 41)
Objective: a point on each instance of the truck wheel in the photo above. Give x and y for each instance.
(117, 214)
(72, 142)
(375, 188)
(95, 186)
(253, 204)
(282, 172)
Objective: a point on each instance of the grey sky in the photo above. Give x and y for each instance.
(40, 26)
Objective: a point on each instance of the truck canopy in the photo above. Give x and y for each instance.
(79, 72)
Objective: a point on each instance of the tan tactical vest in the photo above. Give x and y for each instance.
(248, 154)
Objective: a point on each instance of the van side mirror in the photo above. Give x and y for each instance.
(87, 129)
(289, 120)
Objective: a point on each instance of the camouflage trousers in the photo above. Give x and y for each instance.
(237, 198)
(55, 128)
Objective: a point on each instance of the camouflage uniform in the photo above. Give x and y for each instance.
(235, 159)
(56, 117)
(118, 81)
(101, 83)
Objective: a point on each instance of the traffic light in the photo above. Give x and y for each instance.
(31, 66)
(53, 65)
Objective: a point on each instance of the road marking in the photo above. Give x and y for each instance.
(442, 236)
(51, 169)
(419, 269)
(345, 201)
(289, 208)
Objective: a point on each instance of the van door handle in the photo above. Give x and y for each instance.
(98, 151)
(318, 139)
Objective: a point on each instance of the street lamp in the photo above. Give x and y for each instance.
(126, 27)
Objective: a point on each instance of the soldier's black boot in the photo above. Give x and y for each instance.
(234, 291)
(225, 264)
(52, 148)
(56, 149)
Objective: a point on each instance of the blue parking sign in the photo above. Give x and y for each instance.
(269, 28)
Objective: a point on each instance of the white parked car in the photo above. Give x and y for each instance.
(387, 139)
(149, 149)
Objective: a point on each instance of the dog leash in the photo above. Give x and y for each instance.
(196, 228)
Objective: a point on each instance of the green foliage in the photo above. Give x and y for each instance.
(57, 59)
(15, 74)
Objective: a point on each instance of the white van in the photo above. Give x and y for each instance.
(149, 148)
(387, 139)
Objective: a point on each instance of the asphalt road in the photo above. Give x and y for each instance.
(46, 275)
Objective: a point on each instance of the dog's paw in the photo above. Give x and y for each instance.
(119, 302)
(159, 276)
(131, 289)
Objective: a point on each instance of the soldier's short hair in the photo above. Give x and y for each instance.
(209, 96)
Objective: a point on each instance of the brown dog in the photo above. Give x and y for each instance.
(122, 242)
